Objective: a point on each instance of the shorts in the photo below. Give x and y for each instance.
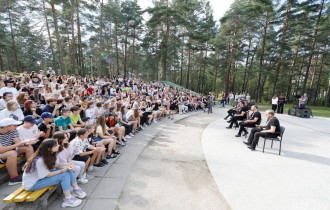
(81, 158)
(97, 139)
(2, 161)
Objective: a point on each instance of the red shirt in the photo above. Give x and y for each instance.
(90, 91)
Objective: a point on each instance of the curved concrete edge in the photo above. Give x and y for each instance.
(135, 181)
(256, 180)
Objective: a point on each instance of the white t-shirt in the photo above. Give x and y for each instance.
(64, 155)
(90, 113)
(274, 100)
(40, 172)
(7, 89)
(25, 133)
(3, 104)
(16, 115)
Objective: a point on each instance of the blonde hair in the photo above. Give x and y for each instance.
(270, 111)
(10, 104)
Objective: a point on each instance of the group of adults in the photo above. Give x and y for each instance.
(69, 125)
(245, 116)
(232, 99)
(278, 102)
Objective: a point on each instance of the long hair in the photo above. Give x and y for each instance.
(60, 136)
(20, 98)
(100, 120)
(44, 151)
(27, 105)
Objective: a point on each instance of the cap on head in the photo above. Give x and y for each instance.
(30, 119)
(47, 115)
(9, 121)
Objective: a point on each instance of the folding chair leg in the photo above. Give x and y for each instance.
(272, 144)
(279, 153)
(263, 149)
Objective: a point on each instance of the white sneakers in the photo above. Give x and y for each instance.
(71, 202)
(82, 180)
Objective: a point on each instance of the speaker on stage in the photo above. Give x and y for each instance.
(292, 111)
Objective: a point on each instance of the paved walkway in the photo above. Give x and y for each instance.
(298, 179)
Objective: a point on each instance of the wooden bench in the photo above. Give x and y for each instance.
(4, 164)
(4, 175)
(33, 199)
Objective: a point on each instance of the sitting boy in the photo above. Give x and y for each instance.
(10, 146)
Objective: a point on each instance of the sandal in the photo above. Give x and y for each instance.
(116, 152)
(111, 156)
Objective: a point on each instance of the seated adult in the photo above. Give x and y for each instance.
(255, 119)
(75, 117)
(241, 115)
(272, 130)
(63, 122)
(7, 96)
(47, 126)
(13, 110)
(10, 146)
(232, 111)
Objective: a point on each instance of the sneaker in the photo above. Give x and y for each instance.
(127, 137)
(82, 180)
(80, 194)
(125, 140)
(93, 168)
(88, 177)
(131, 134)
(142, 127)
(71, 202)
(17, 180)
(118, 142)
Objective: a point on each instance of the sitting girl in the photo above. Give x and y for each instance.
(40, 171)
(101, 134)
(64, 156)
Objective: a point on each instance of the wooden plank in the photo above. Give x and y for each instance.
(21, 197)
(36, 194)
(2, 165)
(12, 196)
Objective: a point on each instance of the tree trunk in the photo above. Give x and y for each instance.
(133, 53)
(246, 65)
(300, 72)
(73, 45)
(189, 64)
(125, 52)
(117, 50)
(288, 92)
(101, 40)
(12, 37)
(59, 47)
(81, 54)
(50, 40)
(181, 65)
(327, 102)
(312, 49)
(233, 50)
(279, 63)
(215, 77)
(320, 73)
(261, 60)
(249, 69)
(316, 60)
(1, 61)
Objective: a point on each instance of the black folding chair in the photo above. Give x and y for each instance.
(278, 138)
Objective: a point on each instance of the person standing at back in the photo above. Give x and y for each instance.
(274, 102)
(281, 102)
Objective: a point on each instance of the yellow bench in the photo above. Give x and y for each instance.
(4, 164)
(21, 195)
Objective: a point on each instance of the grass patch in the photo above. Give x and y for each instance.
(319, 111)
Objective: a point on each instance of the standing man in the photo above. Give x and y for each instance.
(272, 129)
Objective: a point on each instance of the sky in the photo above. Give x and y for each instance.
(219, 6)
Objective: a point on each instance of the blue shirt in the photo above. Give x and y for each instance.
(62, 122)
(48, 108)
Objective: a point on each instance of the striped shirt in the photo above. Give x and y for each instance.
(7, 139)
